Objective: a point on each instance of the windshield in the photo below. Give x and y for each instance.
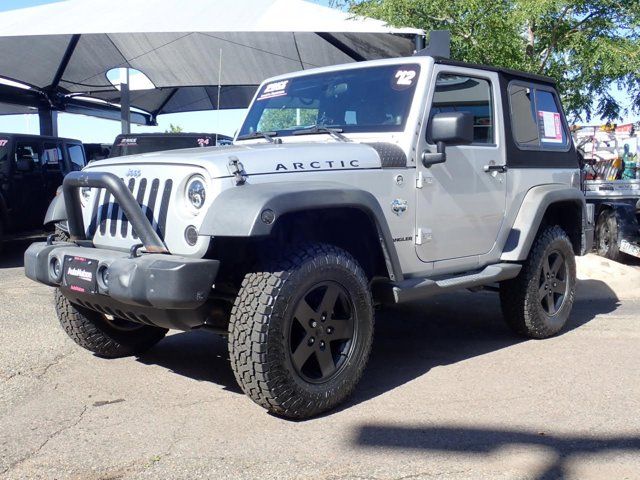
(372, 99)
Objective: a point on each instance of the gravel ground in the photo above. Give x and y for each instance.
(449, 393)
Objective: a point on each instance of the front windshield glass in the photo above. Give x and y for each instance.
(372, 99)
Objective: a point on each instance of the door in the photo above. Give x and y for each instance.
(461, 203)
(28, 188)
(53, 167)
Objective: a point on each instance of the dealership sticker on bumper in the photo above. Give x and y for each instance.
(80, 274)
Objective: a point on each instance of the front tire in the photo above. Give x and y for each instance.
(301, 331)
(537, 303)
(109, 338)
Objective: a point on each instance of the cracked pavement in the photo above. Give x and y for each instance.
(449, 393)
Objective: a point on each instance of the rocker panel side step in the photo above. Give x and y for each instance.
(416, 289)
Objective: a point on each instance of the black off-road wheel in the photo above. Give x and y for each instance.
(301, 330)
(608, 235)
(537, 303)
(106, 337)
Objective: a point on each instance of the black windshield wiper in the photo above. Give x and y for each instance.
(316, 129)
(266, 135)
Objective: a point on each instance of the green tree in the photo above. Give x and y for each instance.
(588, 46)
(173, 129)
(283, 118)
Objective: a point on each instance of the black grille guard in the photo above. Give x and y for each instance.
(112, 183)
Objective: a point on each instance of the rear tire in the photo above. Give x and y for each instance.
(301, 331)
(106, 338)
(538, 302)
(608, 235)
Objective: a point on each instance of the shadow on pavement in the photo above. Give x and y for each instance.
(409, 340)
(199, 355)
(486, 440)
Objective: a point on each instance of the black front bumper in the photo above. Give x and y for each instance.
(162, 290)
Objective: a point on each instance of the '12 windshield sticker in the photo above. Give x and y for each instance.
(276, 89)
(404, 78)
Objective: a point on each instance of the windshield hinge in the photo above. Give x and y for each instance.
(419, 180)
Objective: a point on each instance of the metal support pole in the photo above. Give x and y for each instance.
(125, 104)
(419, 42)
(48, 122)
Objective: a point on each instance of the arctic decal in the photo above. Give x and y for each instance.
(318, 165)
(276, 89)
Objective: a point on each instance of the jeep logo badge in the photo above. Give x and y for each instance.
(134, 173)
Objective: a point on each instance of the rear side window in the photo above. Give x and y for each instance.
(28, 156)
(536, 118)
(52, 157)
(456, 93)
(76, 155)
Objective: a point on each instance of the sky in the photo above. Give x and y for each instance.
(95, 130)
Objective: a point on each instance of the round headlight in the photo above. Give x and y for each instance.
(196, 192)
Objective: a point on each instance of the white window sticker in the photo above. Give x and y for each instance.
(3, 142)
(550, 126)
(404, 78)
(203, 142)
(276, 89)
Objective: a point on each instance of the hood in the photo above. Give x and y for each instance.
(259, 159)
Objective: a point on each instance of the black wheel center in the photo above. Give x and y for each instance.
(553, 282)
(322, 331)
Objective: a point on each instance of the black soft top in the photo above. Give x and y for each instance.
(512, 74)
(38, 137)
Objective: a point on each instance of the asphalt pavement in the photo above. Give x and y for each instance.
(449, 393)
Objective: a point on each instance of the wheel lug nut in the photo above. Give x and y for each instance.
(313, 323)
(329, 330)
(322, 344)
(324, 316)
(312, 341)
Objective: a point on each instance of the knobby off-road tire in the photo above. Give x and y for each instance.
(106, 338)
(537, 303)
(60, 235)
(301, 330)
(608, 235)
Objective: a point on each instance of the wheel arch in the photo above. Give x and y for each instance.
(553, 204)
(56, 212)
(238, 212)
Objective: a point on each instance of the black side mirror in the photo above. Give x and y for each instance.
(451, 128)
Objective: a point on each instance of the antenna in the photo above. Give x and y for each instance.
(219, 93)
(439, 45)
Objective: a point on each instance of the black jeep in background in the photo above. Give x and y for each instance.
(31, 169)
(135, 143)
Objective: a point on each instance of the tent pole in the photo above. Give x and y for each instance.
(125, 104)
(420, 43)
(48, 122)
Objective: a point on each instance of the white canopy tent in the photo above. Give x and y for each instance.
(199, 54)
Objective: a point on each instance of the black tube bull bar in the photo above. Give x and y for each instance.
(141, 225)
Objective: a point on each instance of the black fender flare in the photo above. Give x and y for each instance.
(238, 212)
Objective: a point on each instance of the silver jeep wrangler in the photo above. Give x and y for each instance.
(346, 187)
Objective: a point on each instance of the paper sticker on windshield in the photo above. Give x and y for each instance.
(203, 142)
(3, 142)
(550, 126)
(404, 78)
(275, 89)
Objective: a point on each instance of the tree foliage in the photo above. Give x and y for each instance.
(173, 129)
(279, 119)
(588, 46)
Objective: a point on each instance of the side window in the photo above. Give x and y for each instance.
(52, 157)
(456, 93)
(552, 132)
(27, 157)
(76, 155)
(536, 118)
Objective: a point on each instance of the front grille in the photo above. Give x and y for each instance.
(109, 220)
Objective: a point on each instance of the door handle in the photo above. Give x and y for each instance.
(495, 168)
